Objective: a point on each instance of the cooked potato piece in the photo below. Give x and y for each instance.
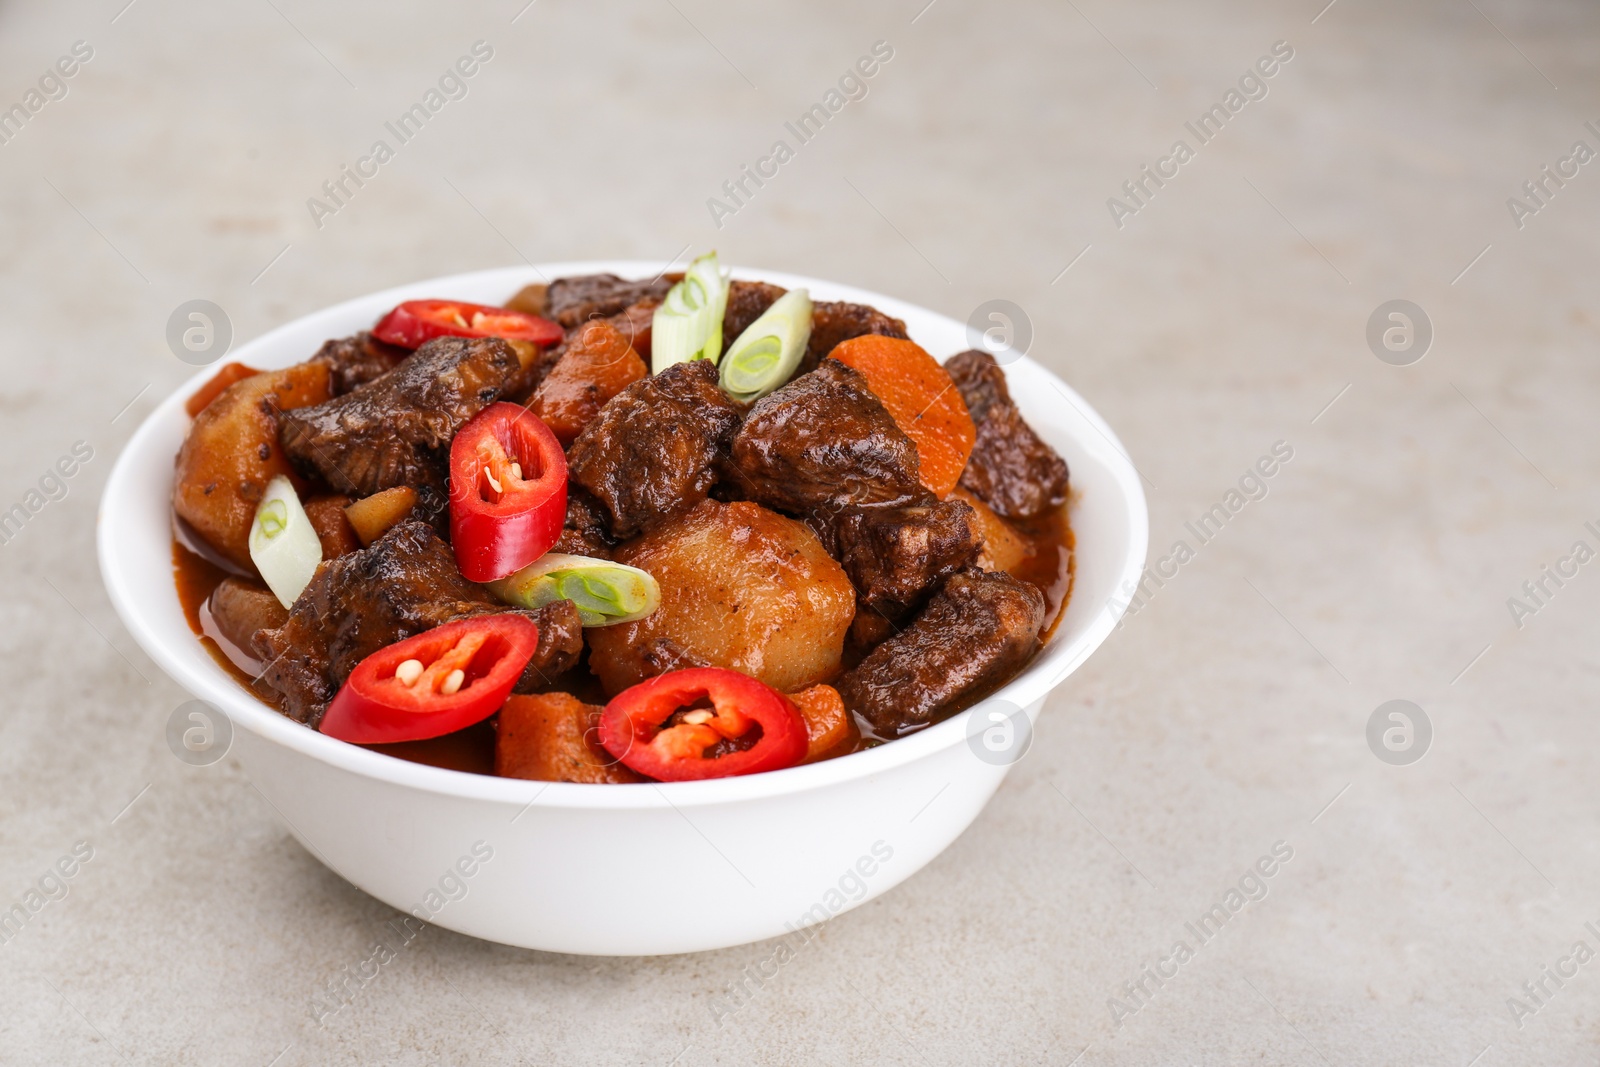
(218, 383)
(741, 587)
(828, 724)
(240, 608)
(232, 452)
(333, 529)
(530, 299)
(1004, 549)
(372, 516)
(551, 737)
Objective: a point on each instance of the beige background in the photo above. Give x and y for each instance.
(1222, 318)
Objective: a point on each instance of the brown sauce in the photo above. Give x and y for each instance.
(1050, 566)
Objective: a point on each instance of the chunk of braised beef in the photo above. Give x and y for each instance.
(656, 448)
(822, 443)
(403, 583)
(585, 531)
(396, 430)
(897, 556)
(560, 643)
(1011, 469)
(574, 301)
(354, 361)
(747, 302)
(975, 633)
(836, 321)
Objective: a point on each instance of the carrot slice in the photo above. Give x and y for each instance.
(828, 725)
(553, 737)
(921, 398)
(597, 365)
(333, 527)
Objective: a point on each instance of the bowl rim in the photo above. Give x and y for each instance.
(1049, 668)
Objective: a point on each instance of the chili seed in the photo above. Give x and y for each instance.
(453, 682)
(409, 671)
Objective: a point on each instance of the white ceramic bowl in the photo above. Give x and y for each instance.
(620, 869)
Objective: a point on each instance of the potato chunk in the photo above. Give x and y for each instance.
(241, 608)
(372, 516)
(1004, 549)
(232, 452)
(741, 587)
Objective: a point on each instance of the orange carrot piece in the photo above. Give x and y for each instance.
(327, 517)
(226, 376)
(921, 398)
(828, 724)
(552, 737)
(598, 364)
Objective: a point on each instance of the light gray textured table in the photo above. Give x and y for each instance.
(1226, 313)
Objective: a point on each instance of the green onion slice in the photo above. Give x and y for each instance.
(769, 350)
(687, 325)
(605, 593)
(283, 544)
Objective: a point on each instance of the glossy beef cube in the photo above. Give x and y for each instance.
(396, 430)
(897, 556)
(1011, 468)
(656, 448)
(822, 443)
(403, 584)
(975, 633)
(836, 321)
(574, 301)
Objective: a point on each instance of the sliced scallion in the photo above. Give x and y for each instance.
(768, 351)
(283, 544)
(604, 592)
(687, 325)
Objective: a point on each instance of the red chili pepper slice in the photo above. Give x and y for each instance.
(416, 322)
(508, 492)
(662, 728)
(435, 683)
